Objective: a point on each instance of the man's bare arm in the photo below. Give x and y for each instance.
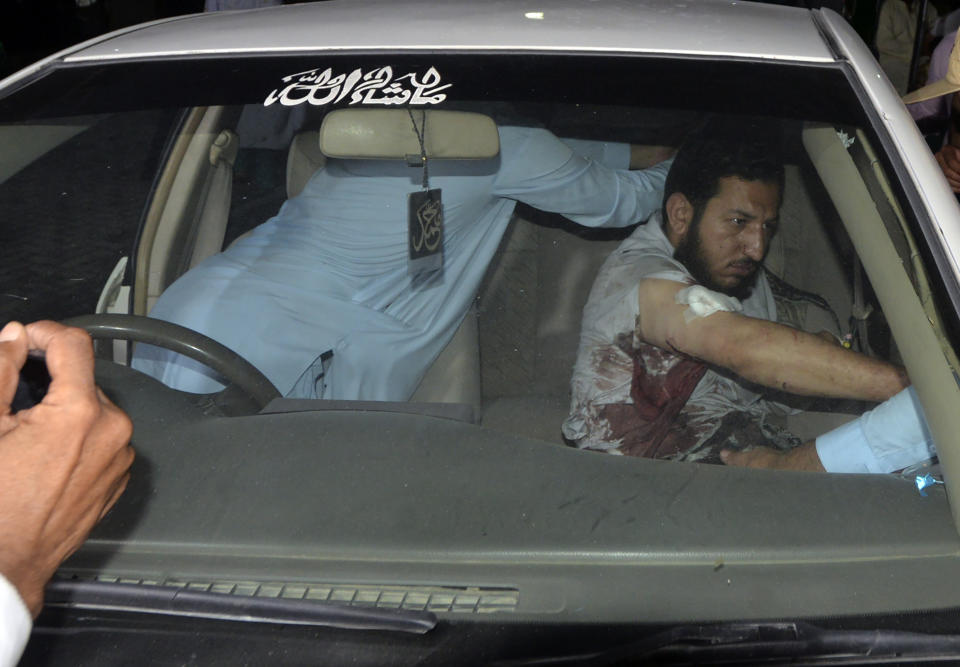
(766, 353)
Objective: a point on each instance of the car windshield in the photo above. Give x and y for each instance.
(397, 250)
(352, 302)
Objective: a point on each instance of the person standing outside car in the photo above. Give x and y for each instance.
(948, 157)
(63, 464)
(896, 33)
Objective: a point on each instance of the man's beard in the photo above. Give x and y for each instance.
(689, 252)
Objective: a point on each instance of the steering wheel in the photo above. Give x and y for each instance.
(220, 358)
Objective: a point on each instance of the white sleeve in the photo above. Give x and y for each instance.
(890, 437)
(15, 624)
(540, 170)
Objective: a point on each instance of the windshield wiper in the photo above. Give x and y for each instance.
(759, 643)
(173, 601)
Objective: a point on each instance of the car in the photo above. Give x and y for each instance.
(455, 525)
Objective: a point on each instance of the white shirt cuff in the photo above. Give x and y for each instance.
(15, 624)
(890, 437)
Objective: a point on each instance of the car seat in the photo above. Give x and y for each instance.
(188, 217)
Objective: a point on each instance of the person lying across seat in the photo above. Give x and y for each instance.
(322, 299)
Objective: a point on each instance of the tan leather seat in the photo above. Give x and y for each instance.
(188, 217)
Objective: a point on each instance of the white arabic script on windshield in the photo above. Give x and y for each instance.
(377, 86)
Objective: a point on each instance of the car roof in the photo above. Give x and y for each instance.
(691, 27)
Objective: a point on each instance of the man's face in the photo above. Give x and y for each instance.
(724, 246)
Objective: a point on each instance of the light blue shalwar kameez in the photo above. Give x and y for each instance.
(329, 271)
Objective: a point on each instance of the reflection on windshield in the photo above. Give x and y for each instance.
(296, 235)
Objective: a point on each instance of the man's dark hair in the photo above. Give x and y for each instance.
(746, 148)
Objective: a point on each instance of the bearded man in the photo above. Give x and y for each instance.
(681, 341)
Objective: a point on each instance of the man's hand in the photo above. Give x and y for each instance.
(948, 158)
(63, 462)
(801, 458)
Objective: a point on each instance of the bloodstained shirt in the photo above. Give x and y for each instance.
(633, 398)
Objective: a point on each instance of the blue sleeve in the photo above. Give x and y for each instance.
(539, 169)
(890, 437)
(611, 154)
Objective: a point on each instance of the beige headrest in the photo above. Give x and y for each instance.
(303, 160)
(389, 134)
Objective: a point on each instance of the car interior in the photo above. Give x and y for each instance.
(510, 360)
(467, 492)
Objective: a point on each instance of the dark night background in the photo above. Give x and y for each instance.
(32, 29)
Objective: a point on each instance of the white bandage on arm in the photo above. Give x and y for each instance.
(704, 302)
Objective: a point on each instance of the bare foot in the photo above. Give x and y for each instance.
(802, 458)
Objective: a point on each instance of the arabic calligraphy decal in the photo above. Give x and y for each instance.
(430, 217)
(378, 86)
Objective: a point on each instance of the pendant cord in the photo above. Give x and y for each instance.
(420, 132)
